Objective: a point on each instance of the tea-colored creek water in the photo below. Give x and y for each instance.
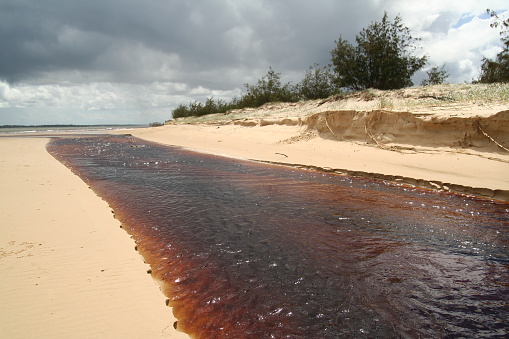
(250, 250)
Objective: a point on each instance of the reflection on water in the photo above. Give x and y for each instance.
(249, 250)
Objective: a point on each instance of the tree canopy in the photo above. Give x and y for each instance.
(436, 76)
(382, 58)
(268, 89)
(318, 83)
(497, 70)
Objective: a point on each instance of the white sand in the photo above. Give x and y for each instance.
(474, 171)
(66, 268)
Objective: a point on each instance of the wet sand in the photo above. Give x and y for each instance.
(67, 269)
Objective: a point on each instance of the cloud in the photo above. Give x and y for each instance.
(463, 48)
(149, 56)
(133, 103)
(183, 39)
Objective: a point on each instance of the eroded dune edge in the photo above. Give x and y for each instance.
(448, 137)
(408, 133)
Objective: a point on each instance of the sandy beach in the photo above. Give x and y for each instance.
(67, 269)
(445, 137)
(264, 143)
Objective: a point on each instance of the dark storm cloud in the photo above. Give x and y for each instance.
(34, 40)
(184, 41)
(149, 56)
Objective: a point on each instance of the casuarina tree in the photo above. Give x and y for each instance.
(318, 83)
(497, 70)
(436, 76)
(268, 89)
(383, 58)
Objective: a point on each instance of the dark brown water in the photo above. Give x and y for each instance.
(249, 250)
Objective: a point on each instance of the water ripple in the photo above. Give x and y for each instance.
(257, 251)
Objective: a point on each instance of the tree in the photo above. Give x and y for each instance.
(382, 58)
(497, 70)
(268, 89)
(436, 76)
(180, 112)
(318, 83)
(155, 124)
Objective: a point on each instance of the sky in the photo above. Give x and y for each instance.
(133, 61)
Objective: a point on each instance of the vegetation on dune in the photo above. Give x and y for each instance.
(198, 109)
(318, 83)
(436, 76)
(429, 99)
(497, 70)
(268, 89)
(383, 59)
(155, 124)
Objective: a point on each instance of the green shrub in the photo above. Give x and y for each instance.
(436, 76)
(382, 58)
(267, 89)
(318, 83)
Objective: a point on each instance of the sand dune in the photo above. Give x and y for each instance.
(448, 137)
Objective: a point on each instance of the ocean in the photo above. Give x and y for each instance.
(59, 129)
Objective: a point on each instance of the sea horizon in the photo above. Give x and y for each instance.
(49, 128)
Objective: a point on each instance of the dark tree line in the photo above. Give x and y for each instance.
(497, 70)
(318, 83)
(383, 58)
(268, 89)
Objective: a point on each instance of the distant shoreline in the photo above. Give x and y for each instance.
(12, 130)
(71, 125)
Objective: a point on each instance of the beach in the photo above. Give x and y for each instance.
(443, 137)
(68, 269)
(482, 174)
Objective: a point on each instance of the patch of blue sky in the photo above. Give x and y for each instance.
(466, 18)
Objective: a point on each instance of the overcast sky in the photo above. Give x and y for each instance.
(133, 61)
